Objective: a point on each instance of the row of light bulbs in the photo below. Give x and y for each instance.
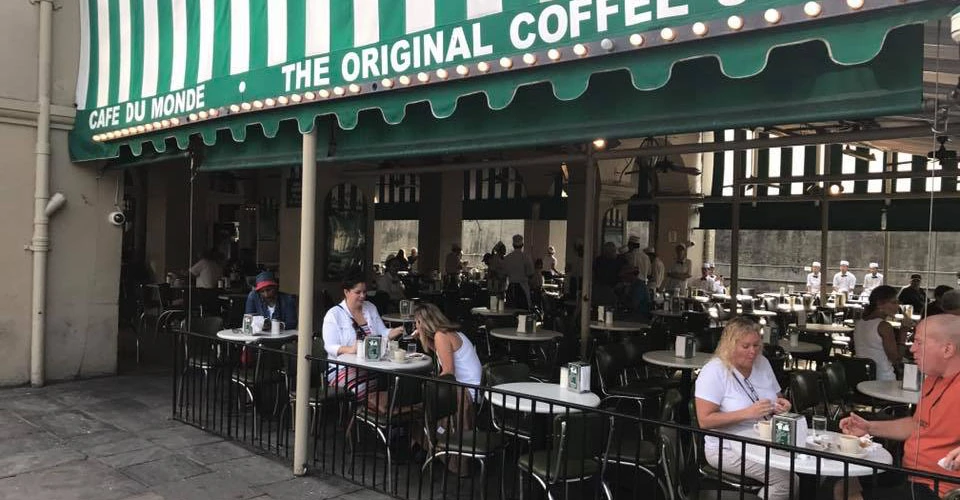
(811, 9)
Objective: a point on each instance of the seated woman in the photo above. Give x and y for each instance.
(874, 337)
(735, 390)
(457, 356)
(348, 322)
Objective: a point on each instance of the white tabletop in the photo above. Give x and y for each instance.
(800, 348)
(397, 318)
(762, 313)
(888, 390)
(415, 363)
(552, 392)
(485, 311)
(807, 464)
(914, 317)
(824, 328)
(541, 335)
(619, 326)
(670, 360)
(237, 335)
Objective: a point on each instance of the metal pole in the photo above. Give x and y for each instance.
(589, 245)
(40, 243)
(824, 244)
(735, 239)
(308, 215)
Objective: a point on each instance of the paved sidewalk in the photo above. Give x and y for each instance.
(113, 438)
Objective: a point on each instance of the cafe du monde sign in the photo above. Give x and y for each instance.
(184, 67)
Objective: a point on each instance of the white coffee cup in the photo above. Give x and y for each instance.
(763, 429)
(399, 356)
(276, 327)
(849, 444)
(608, 318)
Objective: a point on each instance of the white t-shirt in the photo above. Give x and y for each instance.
(727, 388)
(868, 344)
(207, 273)
(869, 283)
(813, 282)
(639, 261)
(844, 283)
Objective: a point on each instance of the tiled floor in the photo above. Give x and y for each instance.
(113, 438)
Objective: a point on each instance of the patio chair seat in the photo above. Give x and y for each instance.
(471, 442)
(574, 468)
(373, 417)
(727, 478)
(202, 362)
(635, 452)
(640, 389)
(321, 395)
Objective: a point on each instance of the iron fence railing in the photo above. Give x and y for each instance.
(415, 436)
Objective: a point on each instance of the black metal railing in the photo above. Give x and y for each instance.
(415, 436)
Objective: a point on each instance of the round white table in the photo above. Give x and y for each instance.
(485, 311)
(415, 362)
(824, 328)
(670, 360)
(561, 396)
(236, 335)
(807, 464)
(762, 313)
(619, 326)
(397, 318)
(800, 348)
(541, 335)
(888, 390)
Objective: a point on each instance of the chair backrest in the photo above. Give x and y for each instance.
(504, 372)
(577, 439)
(610, 366)
(695, 322)
(204, 325)
(439, 401)
(858, 370)
(770, 303)
(318, 370)
(671, 458)
(708, 339)
(835, 382)
(805, 392)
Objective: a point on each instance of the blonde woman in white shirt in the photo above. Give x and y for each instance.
(734, 391)
(348, 322)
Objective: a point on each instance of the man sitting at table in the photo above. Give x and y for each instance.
(931, 434)
(266, 300)
(913, 295)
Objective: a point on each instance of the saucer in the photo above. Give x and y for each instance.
(860, 453)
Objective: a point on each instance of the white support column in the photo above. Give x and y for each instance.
(308, 214)
(589, 247)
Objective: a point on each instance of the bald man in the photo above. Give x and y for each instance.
(936, 348)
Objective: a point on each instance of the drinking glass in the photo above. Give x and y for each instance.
(819, 425)
(412, 348)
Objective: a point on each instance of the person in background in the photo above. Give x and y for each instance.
(402, 264)
(813, 279)
(208, 270)
(735, 390)
(453, 266)
(574, 270)
(718, 285)
(550, 261)
(520, 271)
(705, 284)
(637, 262)
(658, 271)
(390, 284)
(679, 271)
(412, 259)
(951, 302)
(937, 306)
(268, 301)
(871, 280)
(874, 337)
(348, 323)
(496, 275)
(606, 274)
(913, 295)
(931, 434)
(844, 281)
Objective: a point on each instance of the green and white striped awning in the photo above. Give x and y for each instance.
(153, 71)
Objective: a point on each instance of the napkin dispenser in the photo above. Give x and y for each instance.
(494, 300)
(372, 348)
(578, 376)
(406, 308)
(685, 346)
(789, 429)
(912, 378)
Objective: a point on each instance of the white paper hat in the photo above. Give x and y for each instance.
(844, 263)
(815, 263)
(874, 264)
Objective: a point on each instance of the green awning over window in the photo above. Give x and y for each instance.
(153, 70)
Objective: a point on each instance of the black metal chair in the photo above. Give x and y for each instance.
(200, 354)
(321, 393)
(510, 422)
(734, 481)
(806, 394)
(611, 372)
(439, 404)
(578, 441)
(820, 357)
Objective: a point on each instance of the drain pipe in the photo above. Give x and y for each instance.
(40, 243)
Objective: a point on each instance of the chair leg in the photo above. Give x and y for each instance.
(503, 470)
(483, 478)
(606, 490)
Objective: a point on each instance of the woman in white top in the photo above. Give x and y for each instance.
(735, 390)
(351, 320)
(874, 337)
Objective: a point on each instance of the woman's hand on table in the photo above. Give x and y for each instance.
(395, 332)
(855, 425)
(760, 409)
(348, 349)
(782, 405)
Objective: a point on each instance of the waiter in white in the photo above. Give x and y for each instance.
(519, 269)
(844, 281)
(657, 270)
(637, 260)
(871, 280)
(813, 279)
